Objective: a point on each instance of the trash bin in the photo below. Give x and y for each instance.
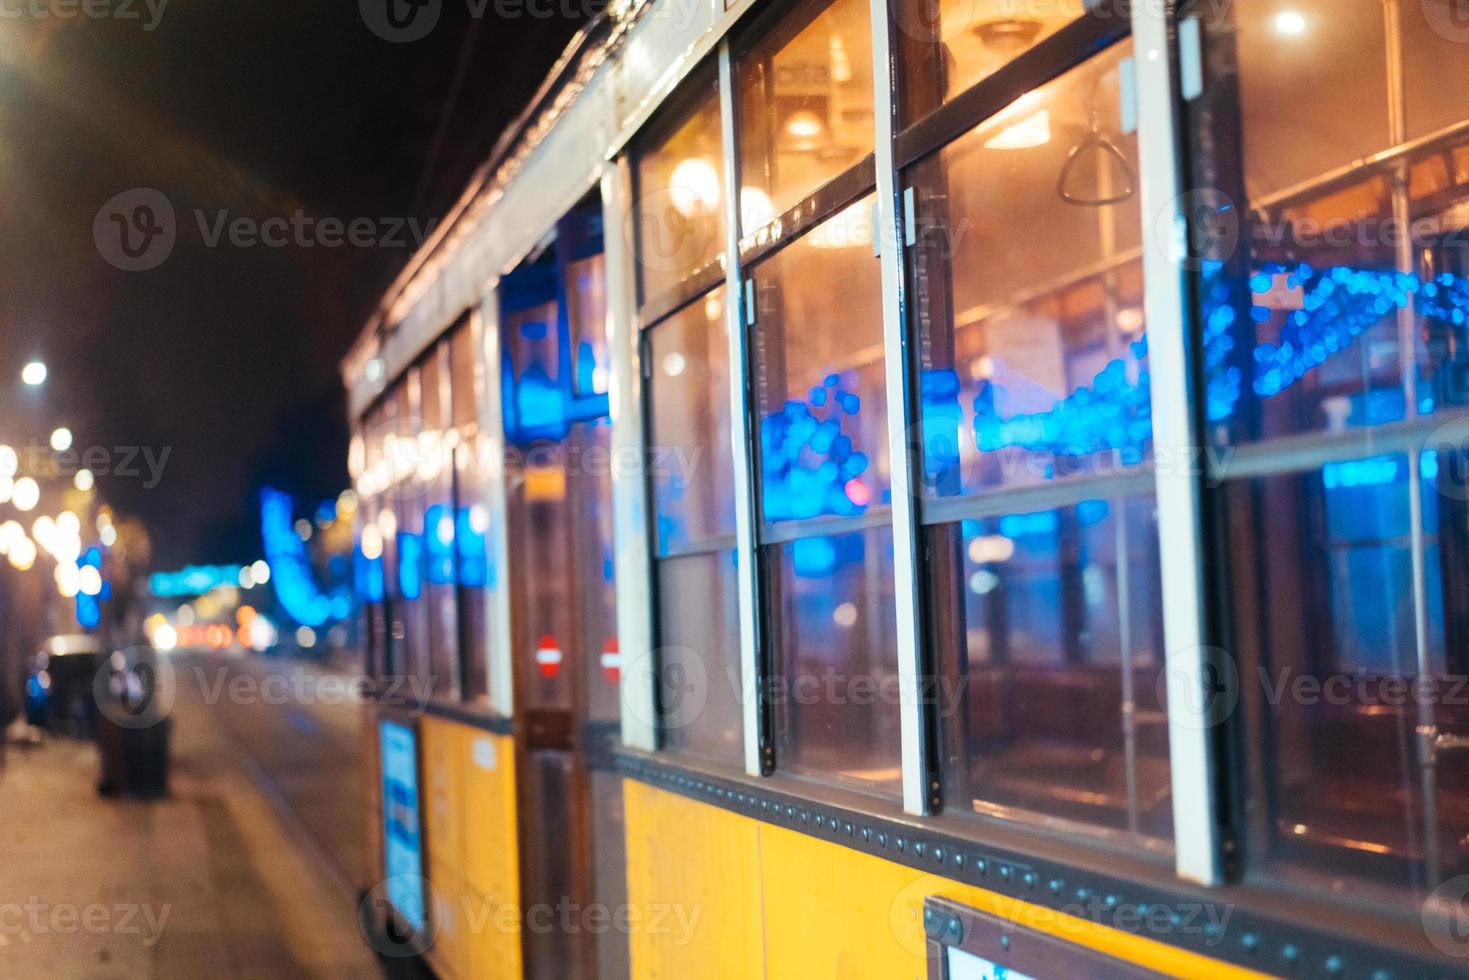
(133, 747)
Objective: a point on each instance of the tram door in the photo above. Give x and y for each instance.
(559, 517)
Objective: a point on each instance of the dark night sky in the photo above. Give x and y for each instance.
(226, 356)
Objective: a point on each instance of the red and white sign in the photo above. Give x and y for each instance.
(611, 661)
(548, 656)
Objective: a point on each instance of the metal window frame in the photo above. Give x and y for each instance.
(752, 531)
(500, 657)
(921, 781)
(1193, 764)
(759, 745)
(632, 554)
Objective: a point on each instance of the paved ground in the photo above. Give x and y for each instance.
(247, 870)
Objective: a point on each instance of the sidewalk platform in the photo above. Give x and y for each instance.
(206, 883)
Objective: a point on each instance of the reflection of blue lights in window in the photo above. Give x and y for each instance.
(538, 406)
(814, 558)
(471, 550)
(809, 466)
(410, 565)
(537, 403)
(290, 566)
(367, 574)
(439, 537)
(1373, 472)
(1026, 525)
(1337, 305)
(1114, 411)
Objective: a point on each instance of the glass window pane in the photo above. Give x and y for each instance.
(805, 98)
(819, 373)
(408, 427)
(589, 486)
(1338, 277)
(699, 651)
(691, 444)
(680, 189)
(949, 45)
(1331, 665)
(440, 567)
(1332, 60)
(541, 606)
(1434, 35)
(472, 519)
(586, 301)
(1051, 641)
(1027, 292)
(836, 700)
(536, 382)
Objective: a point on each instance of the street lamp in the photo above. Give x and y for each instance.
(33, 374)
(61, 439)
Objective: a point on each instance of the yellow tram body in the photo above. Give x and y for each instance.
(704, 397)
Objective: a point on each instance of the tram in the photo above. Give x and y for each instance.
(934, 488)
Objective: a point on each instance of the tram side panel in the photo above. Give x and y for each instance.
(473, 865)
(725, 895)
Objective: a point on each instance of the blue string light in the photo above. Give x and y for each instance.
(1114, 411)
(290, 566)
(810, 466)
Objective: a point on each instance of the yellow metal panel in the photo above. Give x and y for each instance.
(816, 909)
(443, 789)
(868, 915)
(694, 885)
(491, 852)
(492, 930)
(446, 898)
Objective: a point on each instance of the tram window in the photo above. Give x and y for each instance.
(1027, 305)
(691, 482)
(1051, 642)
(824, 481)
(1348, 268)
(1027, 290)
(836, 700)
(589, 473)
(698, 645)
(408, 521)
(949, 45)
(680, 189)
(552, 325)
(536, 421)
(819, 366)
(440, 566)
(1331, 662)
(805, 100)
(471, 518)
(366, 458)
(586, 314)
(689, 406)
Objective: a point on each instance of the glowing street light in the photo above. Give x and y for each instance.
(25, 494)
(61, 439)
(84, 480)
(33, 374)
